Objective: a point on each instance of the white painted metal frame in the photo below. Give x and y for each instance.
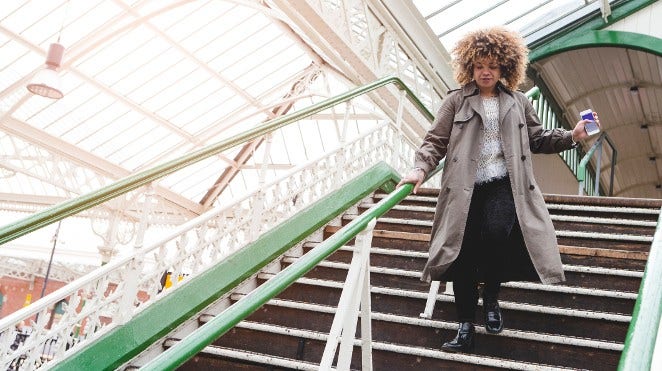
(355, 295)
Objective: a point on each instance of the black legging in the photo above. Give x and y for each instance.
(489, 223)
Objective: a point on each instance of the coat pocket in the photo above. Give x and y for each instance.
(462, 118)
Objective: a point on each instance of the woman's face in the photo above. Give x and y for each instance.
(487, 73)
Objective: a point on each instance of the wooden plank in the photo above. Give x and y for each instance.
(605, 253)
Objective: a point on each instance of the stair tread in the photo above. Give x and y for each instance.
(583, 219)
(618, 317)
(522, 285)
(425, 236)
(424, 255)
(476, 359)
(418, 321)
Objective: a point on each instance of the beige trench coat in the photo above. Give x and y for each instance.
(456, 134)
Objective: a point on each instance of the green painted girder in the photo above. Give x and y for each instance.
(601, 38)
(124, 342)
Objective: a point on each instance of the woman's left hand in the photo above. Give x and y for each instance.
(579, 133)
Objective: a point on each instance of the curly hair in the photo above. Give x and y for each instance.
(506, 47)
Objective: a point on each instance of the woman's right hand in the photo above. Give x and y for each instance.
(414, 177)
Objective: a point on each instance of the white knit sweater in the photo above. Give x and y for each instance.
(491, 163)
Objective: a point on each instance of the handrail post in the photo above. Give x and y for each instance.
(397, 142)
(355, 294)
(432, 298)
(598, 161)
(130, 282)
(581, 170)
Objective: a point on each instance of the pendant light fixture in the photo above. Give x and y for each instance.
(46, 82)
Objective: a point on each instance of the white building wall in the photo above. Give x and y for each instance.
(646, 21)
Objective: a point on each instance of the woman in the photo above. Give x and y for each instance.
(491, 224)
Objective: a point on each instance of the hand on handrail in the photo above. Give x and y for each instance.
(415, 177)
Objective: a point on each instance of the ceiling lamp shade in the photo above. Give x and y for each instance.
(46, 82)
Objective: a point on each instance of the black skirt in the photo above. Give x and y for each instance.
(493, 247)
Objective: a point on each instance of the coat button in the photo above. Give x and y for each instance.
(532, 187)
(454, 159)
(523, 157)
(521, 126)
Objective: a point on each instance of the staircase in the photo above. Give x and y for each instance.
(580, 324)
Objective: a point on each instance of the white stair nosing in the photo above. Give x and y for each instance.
(447, 298)
(572, 290)
(595, 220)
(605, 236)
(604, 209)
(603, 271)
(373, 269)
(387, 317)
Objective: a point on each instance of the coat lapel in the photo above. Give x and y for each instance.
(473, 99)
(506, 102)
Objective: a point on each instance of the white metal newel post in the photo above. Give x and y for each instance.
(355, 295)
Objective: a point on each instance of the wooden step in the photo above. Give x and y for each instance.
(622, 247)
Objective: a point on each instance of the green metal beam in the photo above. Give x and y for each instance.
(124, 342)
(601, 38)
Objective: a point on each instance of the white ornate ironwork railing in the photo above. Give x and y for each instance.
(114, 293)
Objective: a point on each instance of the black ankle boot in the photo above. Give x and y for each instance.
(493, 318)
(464, 341)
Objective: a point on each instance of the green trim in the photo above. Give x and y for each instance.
(124, 342)
(619, 10)
(600, 38)
(58, 212)
(581, 171)
(643, 331)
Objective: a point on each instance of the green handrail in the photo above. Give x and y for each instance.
(70, 207)
(642, 334)
(193, 343)
(581, 171)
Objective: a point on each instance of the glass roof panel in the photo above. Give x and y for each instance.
(148, 81)
(451, 19)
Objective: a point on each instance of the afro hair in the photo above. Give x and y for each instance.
(504, 46)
